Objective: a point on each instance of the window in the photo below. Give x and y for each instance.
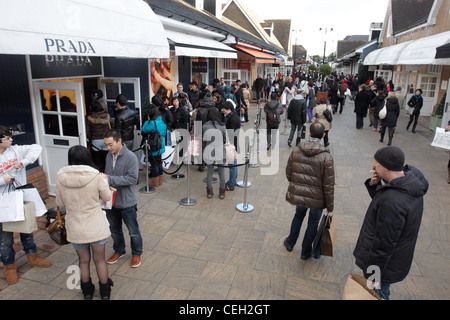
(400, 80)
(386, 75)
(428, 84)
(231, 75)
(434, 69)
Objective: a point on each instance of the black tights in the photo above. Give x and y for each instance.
(84, 256)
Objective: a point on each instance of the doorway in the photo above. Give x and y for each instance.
(60, 117)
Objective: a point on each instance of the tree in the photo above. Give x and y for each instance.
(325, 70)
(312, 67)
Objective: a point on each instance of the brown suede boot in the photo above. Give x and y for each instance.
(209, 192)
(160, 180)
(11, 274)
(35, 261)
(154, 182)
(222, 193)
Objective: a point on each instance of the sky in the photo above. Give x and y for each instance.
(346, 17)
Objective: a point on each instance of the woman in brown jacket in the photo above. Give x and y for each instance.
(97, 123)
(79, 188)
(310, 172)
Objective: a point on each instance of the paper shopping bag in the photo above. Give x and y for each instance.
(167, 157)
(107, 205)
(356, 289)
(328, 239)
(39, 205)
(11, 206)
(29, 225)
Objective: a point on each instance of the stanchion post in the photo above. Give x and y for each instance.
(245, 207)
(245, 183)
(147, 188)
(285, 123)
(188, 201)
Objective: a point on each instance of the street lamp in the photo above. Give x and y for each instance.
(325, 41)
(295, 47)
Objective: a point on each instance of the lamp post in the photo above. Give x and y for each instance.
(295, 47)
(325, 41)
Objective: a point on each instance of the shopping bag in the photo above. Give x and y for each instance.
(356, 289)
(29, 225)
(383, 112)
(316, 250)
(231, 154)
(107, 205)
(167, 157)
(33, 195)
(328, 239)
(194, 147)
(11, 206)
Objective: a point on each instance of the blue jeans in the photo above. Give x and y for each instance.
(384, 292)
(311, 230)
(294, 127)
(233, 177)
(129, 216)
(8, 255)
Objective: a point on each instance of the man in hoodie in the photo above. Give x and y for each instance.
(310, 172)
(297, 114)
(385, 247)
(273, 110)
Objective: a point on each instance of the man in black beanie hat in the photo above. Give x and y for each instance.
(385, 247)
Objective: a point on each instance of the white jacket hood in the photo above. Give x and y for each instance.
(76, 176)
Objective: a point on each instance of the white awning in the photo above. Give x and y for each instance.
(104, 28)
(387, 55)
(195, 46)
(423, 51)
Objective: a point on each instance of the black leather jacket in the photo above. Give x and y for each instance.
(124, 122)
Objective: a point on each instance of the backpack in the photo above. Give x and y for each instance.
(341, 91)
(154, 140)
(272, 119)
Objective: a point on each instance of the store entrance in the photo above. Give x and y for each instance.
(60, 117)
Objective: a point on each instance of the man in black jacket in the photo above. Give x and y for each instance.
(297, 114)
(385, 247)
(125, 120)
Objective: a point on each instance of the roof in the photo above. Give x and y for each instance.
(407, 14)
(281, 30)
(240, 14)
(181, 11)
(346, 46)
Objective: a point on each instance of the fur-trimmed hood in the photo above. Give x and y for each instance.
(77, 176)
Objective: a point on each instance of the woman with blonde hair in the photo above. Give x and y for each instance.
(390, 121)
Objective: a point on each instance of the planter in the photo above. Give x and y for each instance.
(435, 122)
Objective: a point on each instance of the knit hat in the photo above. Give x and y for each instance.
(208, 100)
(390, 157)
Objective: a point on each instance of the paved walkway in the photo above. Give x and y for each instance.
(212, 251)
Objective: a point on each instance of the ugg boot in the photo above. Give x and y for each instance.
(88, 289)
(209, 192)
(35, 261)
(154, 182)
(105, 289)
(222, 193)
(11, 274)
(160, 180)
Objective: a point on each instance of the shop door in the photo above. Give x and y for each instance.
(412, 86)
(429, 85)
(60, 115)
(129, 87)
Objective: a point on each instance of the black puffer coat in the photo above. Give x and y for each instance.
(125, 121)
(393, 111)
(310, 172)
(389, 232)
(378, 103)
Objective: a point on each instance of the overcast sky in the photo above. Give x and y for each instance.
(346, 17)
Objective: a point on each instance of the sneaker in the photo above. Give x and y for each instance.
(136, 261)
(375, 130)
(289, 144)
(113, 259)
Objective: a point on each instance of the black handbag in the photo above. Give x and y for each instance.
(57, 229)
(327, 115)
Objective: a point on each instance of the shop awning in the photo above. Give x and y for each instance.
(260, 57)
(199, 46)
(387, 55)
(423, 51)
(104, 28)
(443, 52)
(415, 52)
